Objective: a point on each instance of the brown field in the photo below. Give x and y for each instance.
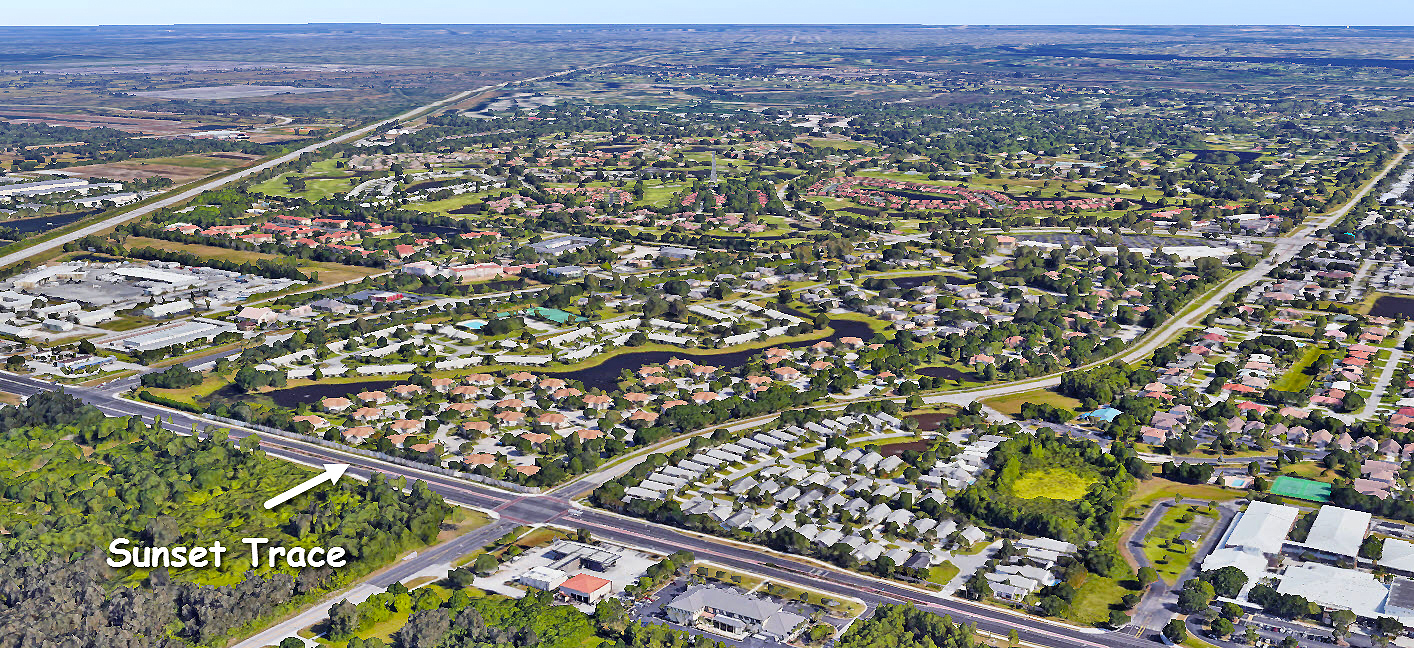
(198, 167)
(136, 125)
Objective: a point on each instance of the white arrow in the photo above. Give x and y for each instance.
(331, 474)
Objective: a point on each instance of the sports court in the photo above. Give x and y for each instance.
(1306, 489)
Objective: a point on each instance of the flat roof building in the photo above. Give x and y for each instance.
(545, 579)
(1334, 588)
(563, 244)
(1262, 528)
(1337, 532)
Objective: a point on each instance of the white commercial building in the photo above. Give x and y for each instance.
(1261, 529)
(1337, 532)
(1335, 588)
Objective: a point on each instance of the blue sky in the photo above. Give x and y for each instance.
(952, 12)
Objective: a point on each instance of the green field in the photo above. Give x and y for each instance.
(1306, 489)
(1012, 404)
(1296, 379)
(1052, 483)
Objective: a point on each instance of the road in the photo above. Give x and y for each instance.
(218, 182)
(557, 508)
(1283, 250)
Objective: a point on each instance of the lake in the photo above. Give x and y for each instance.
(605, 376)
(1389, 306)
(947, 373)
(313, 393)
(43, 223)
(895, 449)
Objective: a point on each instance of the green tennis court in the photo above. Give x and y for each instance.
(1299, 488)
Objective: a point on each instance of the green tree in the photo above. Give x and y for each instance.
(485, 564)
(1176, 631)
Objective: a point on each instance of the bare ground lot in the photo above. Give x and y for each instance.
(180, 169)
(232, 91)
(140, 125)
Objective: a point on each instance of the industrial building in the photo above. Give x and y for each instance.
(586, 589)
(196, 329)
(545, 579)
(563, 244)
(569, 555)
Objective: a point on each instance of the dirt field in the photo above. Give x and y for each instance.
(180, 169)
(125, 124)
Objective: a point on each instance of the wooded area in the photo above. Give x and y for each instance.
(72, 479)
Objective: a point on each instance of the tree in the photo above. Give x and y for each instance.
(485, 564)
(1222, 627)
(343, 620)
(1227, 582)
(1341, 621)
(1196, 596)
(292, 642)
(1147, 575)
(1118, 619)
(1176, 631)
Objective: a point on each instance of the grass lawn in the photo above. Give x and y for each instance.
(836, 606)
(195, 161)
(739, 579)
(1154, 489)
(1011, 405)
(1051, 483)
(1094, 598)
(314, 190)
(942, 574)
(209, 384)
(1296, 379)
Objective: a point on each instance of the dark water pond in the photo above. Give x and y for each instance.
(908, 283)
(918, 195)
(930, 421)
(313, 393)
(894, 449)
(1388, 306)
(947, 373)
(1213, 156)
(42, 223)
(604, 376)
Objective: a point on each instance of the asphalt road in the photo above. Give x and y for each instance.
(557, 509)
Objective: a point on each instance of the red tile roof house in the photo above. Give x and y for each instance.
(316, 422)
(335, 404)
(356, 435)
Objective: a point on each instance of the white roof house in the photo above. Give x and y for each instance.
(1262, 528)
(1338, 531)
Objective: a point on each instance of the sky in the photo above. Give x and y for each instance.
(944, 12)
